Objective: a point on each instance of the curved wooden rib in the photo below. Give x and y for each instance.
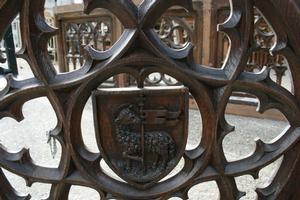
(140, 52)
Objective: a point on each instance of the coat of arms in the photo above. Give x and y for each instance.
(141, 133)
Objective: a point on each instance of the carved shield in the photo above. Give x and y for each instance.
(141, 133)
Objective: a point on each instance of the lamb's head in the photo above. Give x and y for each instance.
(127, 116)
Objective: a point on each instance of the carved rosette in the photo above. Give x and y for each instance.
(140, 52)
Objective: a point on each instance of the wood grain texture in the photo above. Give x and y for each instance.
(140, 52)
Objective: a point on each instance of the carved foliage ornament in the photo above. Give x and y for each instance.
(140, 52)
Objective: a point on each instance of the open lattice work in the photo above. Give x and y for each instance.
(140, 52)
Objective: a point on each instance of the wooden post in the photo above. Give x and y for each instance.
(197, 5)
(121, 80)
(207, 30)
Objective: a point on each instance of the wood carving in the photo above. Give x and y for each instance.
(145, 131)
(140, 52)
(157, 142)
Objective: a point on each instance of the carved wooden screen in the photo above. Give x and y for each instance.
(260, 57)
(79, 30)
(140, 52)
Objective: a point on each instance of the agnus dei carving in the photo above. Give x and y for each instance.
(142, 133)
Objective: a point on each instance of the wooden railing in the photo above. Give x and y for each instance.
(175, 29)
(142, 134)
(78, 30)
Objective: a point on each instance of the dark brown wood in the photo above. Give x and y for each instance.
(78, 30)
(140, 52)
(148, 127)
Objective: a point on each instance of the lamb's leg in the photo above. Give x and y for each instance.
(164, 164)
(128, 164)
(154, 165)
(165, 158)
(128, 161)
